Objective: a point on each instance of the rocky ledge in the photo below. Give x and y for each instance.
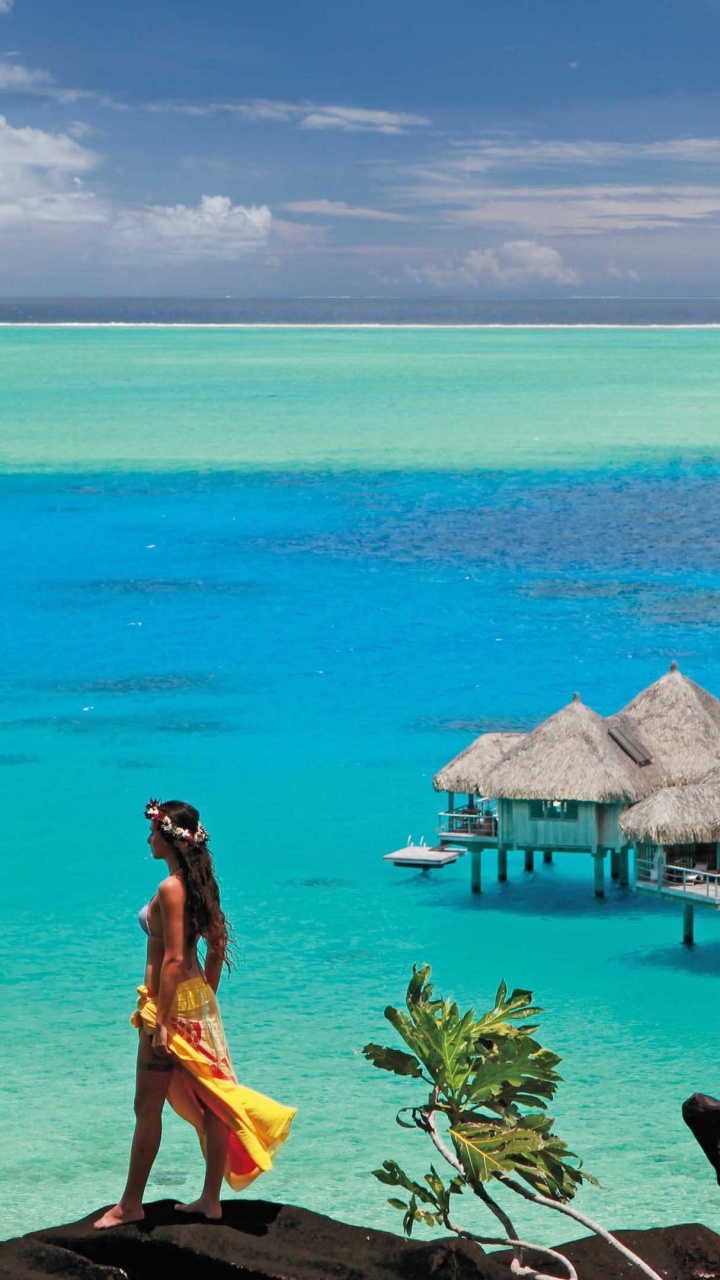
(261, 1241)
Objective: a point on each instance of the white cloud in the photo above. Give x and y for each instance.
(27, 148)
(517, 262)
(306, 115)
(6, 6)
(14, 76)
(41, 183)
(339, 209)
(39, 179)
(357, 120)
(214, 228)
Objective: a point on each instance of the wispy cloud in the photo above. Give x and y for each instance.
(514, 263)
(16, 78)
(510, 184)
(6, 6)
(339, 209)
(305, 115)
(356, 120)
(488, 153)
(577, 210)
(303, 234)
(34, 82)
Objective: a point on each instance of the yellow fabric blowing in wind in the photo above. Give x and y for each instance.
(258, 1126)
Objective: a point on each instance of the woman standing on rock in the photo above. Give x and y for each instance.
(182, 1053)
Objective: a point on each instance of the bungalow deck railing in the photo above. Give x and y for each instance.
(695, 881)
(478, 821)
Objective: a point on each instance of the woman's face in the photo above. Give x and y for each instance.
(156, 841)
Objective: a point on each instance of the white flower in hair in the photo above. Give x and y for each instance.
(154, 813)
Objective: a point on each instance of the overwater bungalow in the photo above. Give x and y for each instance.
(645, 780)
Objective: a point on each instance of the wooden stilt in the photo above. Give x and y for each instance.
(599, 860)
(502, 864)
(660, 867)
(688, 924)
(547, 856)
(614, 864)
(529, 859)
(624, 868)
(476, 871)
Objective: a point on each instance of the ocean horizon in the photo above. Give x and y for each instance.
(613, 312)
(286, 574)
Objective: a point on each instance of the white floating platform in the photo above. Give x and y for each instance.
(420, 855)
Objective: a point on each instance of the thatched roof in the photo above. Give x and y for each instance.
(679, 723)
(467, 772)
(668, 736)
(677, 815)
(570, 756)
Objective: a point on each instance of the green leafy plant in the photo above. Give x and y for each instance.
(490, 1083)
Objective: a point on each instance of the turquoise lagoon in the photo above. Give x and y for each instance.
(287, 574)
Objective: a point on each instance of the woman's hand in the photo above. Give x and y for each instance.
(159, 1043)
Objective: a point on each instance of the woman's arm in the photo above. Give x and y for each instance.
(172, 913)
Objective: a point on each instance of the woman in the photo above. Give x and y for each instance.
(182, 1053)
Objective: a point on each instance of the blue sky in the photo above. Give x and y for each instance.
(430, 149)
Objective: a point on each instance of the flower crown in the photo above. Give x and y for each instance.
(154, 813)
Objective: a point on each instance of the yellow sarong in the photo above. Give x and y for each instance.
(258, 1126)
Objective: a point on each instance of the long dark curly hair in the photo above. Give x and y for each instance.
(204, 917)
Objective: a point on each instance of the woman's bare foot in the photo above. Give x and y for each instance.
(208, 1208)
(119, 1215)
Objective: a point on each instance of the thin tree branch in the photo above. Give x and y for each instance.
(456, 1163)
(595, 1227)
(442, 1147)
(530, 1273)
(481, 1191)
(520, 1270)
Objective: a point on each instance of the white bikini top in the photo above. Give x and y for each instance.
(143, 919)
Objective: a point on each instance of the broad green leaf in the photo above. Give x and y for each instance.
(488, 1151)
(401, 1064)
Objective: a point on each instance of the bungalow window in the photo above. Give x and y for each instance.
(554, 810)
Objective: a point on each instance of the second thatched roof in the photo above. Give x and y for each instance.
(570, 756)
(679, 723)
(685, 814)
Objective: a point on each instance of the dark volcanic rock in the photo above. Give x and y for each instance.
(687, 1252)
(33, 1259)
(261, 1241)
(701, 1114)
